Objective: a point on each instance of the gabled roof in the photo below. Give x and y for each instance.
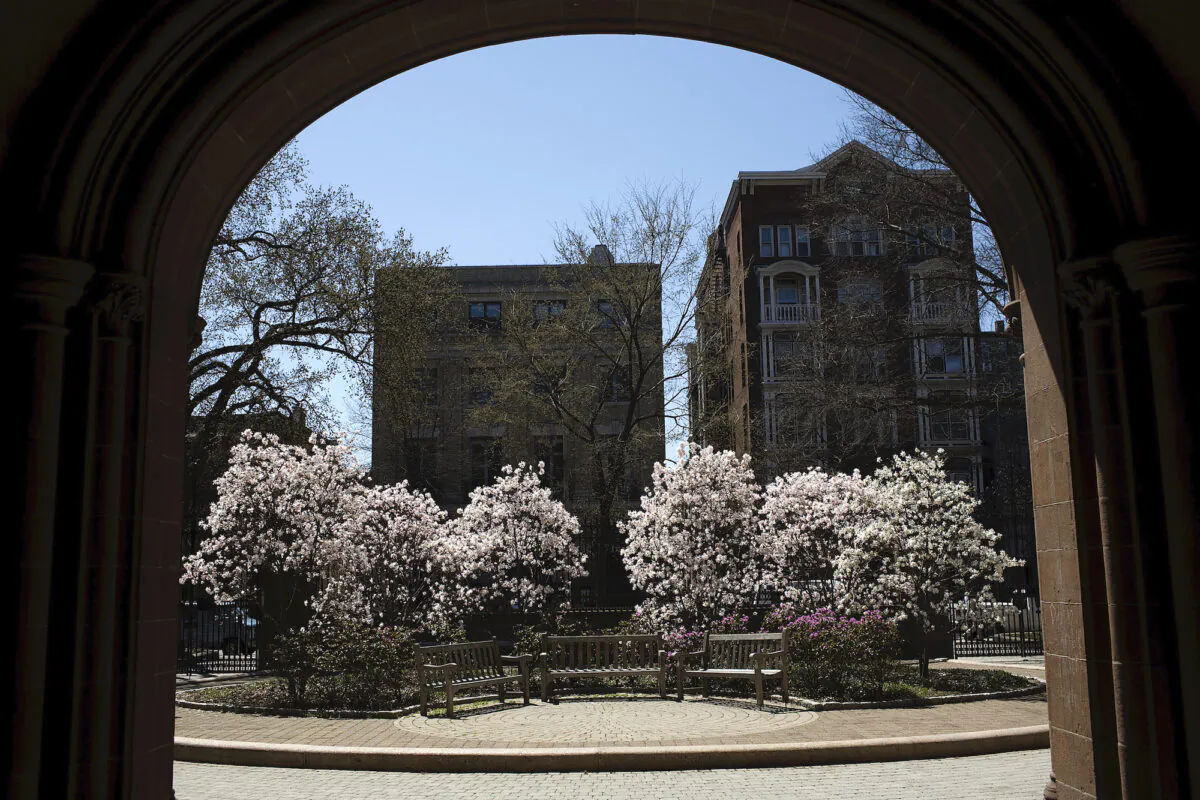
(817, 170)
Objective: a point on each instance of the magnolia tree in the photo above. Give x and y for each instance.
(803, 519)
(920, 547)
(513, 545)
(392, 539)
(279, 516)
(693, 547)
(302, 524)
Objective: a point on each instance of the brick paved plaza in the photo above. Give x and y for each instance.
(1004, 776)
(625, 722)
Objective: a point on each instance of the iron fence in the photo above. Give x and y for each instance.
(221, 637)
(997, 630)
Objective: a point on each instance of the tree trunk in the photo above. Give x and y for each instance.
(924, 662)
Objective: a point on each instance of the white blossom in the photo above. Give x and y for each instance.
(803, 520)
(513, 546)
(693, 547)
(920, 547)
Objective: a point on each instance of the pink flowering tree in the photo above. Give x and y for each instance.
(513, 546)
(920, 548)
(391, 538)
(803, 519)
(277, 523)
(694, 548)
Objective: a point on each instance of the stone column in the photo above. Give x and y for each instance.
(1094, 289)
(105, 574)
(1166, 274)
(45, 290)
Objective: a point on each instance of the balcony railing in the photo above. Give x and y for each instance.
(791, 312)
(940, 312)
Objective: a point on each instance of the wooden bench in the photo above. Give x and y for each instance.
(569, 657)
(759, 657)
(467, 665)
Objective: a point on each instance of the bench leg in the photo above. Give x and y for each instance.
(545, 686)
(758, 690)
(525, 686)
(679, 681)
(449, 701)
(704, 687)
(500, 692)
(785, 686)
(424, 700)
(662, 683)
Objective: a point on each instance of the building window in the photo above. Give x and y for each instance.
(961, 469)
(860, 293)
(548, 309)
(951, 424)
(857, 236)
(549, 451)
(944, 357)
(802, 248)
(783, 237)
(419, 458)
(925, 241)
(484, 315)
(766, 241)
(787, 291)
(610, 315)
(484, 455)
(619, 385)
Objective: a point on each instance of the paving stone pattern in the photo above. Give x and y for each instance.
(1005, 776)
(590, 723)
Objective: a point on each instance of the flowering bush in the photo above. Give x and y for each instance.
(686, 640)
(835, 656)
(803, 520)
(693, 547)
(921, 547)
(512, 546)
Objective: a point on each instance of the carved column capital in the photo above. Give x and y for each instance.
(1012, 315)
(1159, 265)
(1088, 285)
(118, 300)
(46, 287)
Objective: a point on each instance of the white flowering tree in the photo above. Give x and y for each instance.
(921, 548)
(391, 539)
(803, 519)
(693, 548)
(279, 519)
(512, 546)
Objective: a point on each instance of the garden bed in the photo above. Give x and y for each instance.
(269, 696)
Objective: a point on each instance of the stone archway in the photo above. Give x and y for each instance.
(138, 124)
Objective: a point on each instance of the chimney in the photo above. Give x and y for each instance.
(600, 256)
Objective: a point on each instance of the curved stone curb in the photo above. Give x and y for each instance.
(920, 702)
(610, 759)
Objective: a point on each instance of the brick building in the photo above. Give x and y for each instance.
(841, 323)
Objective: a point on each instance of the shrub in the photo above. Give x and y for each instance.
(347, 664)
(835, 656)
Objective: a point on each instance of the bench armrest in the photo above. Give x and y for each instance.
(451, 667)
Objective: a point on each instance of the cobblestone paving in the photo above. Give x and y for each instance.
(609, 722)
(1005, 776)
(640, 721)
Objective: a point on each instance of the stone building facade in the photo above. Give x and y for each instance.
(841, 324)
(460, 439)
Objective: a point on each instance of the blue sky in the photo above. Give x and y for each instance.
(481, 153)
